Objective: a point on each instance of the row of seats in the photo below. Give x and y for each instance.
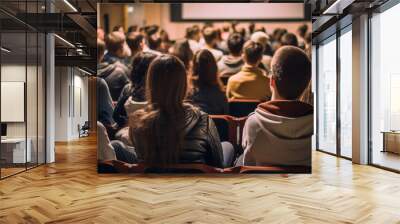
(116, 166)
(230, 128)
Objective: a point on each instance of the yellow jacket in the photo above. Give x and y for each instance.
(249, 83)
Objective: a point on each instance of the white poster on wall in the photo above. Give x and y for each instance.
(12, 101)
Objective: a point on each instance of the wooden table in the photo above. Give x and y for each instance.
(391, 141)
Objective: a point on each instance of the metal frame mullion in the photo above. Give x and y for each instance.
(338, 94)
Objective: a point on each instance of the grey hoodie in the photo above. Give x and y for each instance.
(279, 133)
(229, 65)
(116, 76)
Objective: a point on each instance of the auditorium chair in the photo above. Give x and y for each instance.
(230, 129)
(242, 107)
(116, 166)
(226, 126)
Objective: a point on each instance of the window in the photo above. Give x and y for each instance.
(345, 43)
(385, 89)
(22, 78)
(326, 96)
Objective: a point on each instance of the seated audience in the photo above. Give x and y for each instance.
(289, 39)
(206, 91)
(211, 41)
(251, 81)
(133, 96)
(113, 71)
(168, 131)
(232, 63)
(181, 49)
(279, 132)
(263, 39)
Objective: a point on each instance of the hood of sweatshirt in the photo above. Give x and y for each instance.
(286, 119)
(104, 69)
(232, 62)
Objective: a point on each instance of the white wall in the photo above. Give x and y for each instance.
(159, 14)
(71, 103)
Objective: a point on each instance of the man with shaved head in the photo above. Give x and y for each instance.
(279, 131)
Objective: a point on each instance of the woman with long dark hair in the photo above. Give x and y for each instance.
(205, 90)
(168, 131)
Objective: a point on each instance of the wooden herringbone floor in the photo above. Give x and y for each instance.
(70, 191)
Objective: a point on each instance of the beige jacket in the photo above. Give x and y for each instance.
(249, 83)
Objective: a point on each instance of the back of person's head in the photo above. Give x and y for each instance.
(302, 30)
(291, 72)
(140, 65)
(252, 52)
(101, 47)
(192, 33)
(260, 37)
(210, 35)
(252, 27)
(135, 41)
(242, 31)
(268, 49)
(260, 29)
(159, 128)
(278, 33)
(181, 49)
(226, 27)
(289, 39)
(115, 42)
(118, 28)
(205, 70)
(164, 36)
(235, 43)
(133, 28)
(166, 83)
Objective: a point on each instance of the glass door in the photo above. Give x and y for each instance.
(385, 89)
(345, 93)
(326, 96)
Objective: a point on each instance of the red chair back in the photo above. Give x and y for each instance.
(226, 127)
(122, 167)
(242, 107)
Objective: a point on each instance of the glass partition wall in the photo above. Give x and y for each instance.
(22, 77)
(334, 94)
(385, 89)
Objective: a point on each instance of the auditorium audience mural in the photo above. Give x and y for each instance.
(181, 89)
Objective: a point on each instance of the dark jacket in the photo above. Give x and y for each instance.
(116, 76)
(209, 99)
(104, 103)
(201, 143)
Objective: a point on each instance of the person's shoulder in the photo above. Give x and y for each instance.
(252, 124)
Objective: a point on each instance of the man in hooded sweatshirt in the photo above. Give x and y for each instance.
(279, 131)
(112, 70)
(232, 63)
